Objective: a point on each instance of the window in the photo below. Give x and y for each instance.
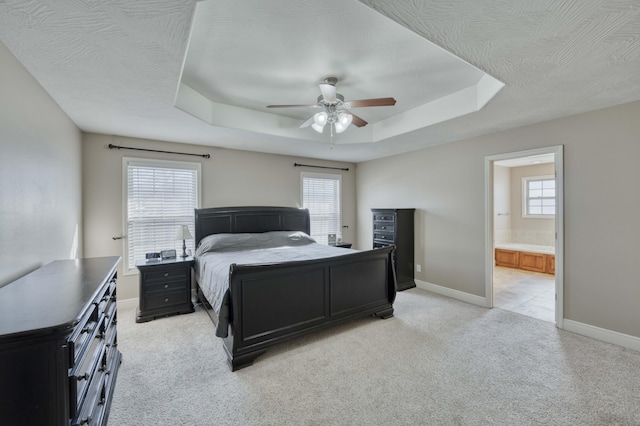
(159, 196)
(539, 196)
(321, 195)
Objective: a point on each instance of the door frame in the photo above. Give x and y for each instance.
(559, 223)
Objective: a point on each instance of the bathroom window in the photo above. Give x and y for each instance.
(539, 197)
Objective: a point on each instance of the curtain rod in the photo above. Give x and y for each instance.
(320, 167)
(111, 146)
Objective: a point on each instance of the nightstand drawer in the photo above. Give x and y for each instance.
(166, 286)
(166, 299)
(165, 275)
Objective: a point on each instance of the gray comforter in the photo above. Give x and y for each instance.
(216, 253)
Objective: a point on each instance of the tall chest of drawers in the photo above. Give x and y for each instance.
(395, 227)
(59, 354)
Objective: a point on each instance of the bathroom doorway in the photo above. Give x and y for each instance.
(524, 232)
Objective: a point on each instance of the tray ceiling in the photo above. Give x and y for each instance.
(116, 67)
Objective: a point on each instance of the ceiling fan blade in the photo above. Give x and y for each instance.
(328, 92)
(370, 102)
(357, 121)
(295, 106)
(307, 123)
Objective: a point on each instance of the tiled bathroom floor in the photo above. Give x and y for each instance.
(524, 292)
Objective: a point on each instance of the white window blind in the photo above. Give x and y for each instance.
(321, 194)
(539, 196)
(160, 196)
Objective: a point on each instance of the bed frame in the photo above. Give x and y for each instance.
(271, 303)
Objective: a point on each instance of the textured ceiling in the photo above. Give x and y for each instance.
(114, 66)
(236, 64)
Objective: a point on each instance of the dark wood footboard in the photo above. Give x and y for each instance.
(273, 303)
(268, 304)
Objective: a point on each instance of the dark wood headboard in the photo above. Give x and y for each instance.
(235, 220)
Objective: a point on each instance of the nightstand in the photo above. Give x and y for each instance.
(165, 288)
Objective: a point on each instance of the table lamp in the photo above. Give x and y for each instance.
(183, 234)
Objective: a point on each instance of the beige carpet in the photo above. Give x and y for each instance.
(437, 362)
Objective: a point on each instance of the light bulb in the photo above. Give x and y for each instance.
(317, 127)
(343, 122)
(345, 119)
(320, 118)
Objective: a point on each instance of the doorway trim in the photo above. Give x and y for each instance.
(559, 223)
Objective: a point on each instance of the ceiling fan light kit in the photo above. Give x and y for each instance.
(334, 107)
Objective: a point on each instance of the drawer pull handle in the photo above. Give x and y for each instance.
(166, 299)
(166, 274)
(85, 376)
(166, 286)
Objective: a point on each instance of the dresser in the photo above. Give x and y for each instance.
(165, 288)
(395, 227)
(58, 344)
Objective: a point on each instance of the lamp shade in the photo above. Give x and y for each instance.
(183, 233)
(320, 118)
(317, 127)
(343, 122)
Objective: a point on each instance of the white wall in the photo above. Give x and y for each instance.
(602, 200)
(40, 168)
(502, 204)
(229, 178)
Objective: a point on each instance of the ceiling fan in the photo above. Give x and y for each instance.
(334, 108)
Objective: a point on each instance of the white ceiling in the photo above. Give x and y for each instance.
(115, 66)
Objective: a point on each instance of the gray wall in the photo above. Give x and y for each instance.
(40, 166)
(229, 178)
(602, 200)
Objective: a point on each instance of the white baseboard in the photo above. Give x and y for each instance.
(127, 303)
(609, 336)
(455, 294)
(620, 339)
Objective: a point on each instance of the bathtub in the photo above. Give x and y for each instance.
(530, 257)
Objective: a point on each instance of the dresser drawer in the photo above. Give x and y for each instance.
(384, 217)
(384, 227)
(166, 299)
(378, 244)
(91, 412)
(83, 336)
(383, 236)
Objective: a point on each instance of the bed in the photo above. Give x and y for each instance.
(266, 302)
